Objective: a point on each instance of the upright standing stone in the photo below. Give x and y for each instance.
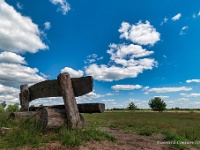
(72, 118)
(24, 97)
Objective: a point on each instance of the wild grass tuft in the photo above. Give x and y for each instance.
(30, 134)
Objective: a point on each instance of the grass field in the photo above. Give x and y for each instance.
(176, 126)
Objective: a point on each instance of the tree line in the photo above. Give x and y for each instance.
(156, 104)
(9, 108)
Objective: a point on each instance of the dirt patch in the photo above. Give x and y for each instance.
(125, 141)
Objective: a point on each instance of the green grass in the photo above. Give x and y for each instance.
(29, 134)
(175, 126)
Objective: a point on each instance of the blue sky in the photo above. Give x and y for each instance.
(135, 50)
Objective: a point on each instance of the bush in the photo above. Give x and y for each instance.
(1, 109)
(12, 108)
(157, 104)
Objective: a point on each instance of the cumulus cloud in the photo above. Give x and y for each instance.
(126, 87)
(73, 73)
(105, 73)
(88, 97)
(183, 30)
(140, 33)
(16, 74)
(176, 17)
(64, 6)
(18, 33)
(47, 25)
(6, 90)
(120, 52)
(193, 80)
(9, 94)
(169, 89)
(128, 62)
(9, 57)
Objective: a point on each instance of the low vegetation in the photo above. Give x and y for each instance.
(176, 125)
(24, 133)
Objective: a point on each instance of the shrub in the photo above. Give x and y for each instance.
(1, 109)
(132, 106)
(12, 108)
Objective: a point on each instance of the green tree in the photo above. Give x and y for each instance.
(1, 109)
(13, 108)
(3, 104)
(132, 106)
(157, 104)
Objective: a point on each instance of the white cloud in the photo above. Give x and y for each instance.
(193, 80)
(164, 21)
(183, 30)
(182, 99)
(126, 63)
(6, 90)
(146, 88)
(18, 33)
(196, 15)
(9, 57)
(138, 103)
(120, 52)
(64, 6)
(47, 101)
(176, 17)
(19, 6)
(108, 100)
(141, 33)
(47, 25)
(105, 73)
(110, 94)
(88, 97)
(110, 103)
(9, 94)
(190, 95)
(16, 74)
(126, 87)
(92, 58)
(169, 89)
(162, 96)
(73, 73)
